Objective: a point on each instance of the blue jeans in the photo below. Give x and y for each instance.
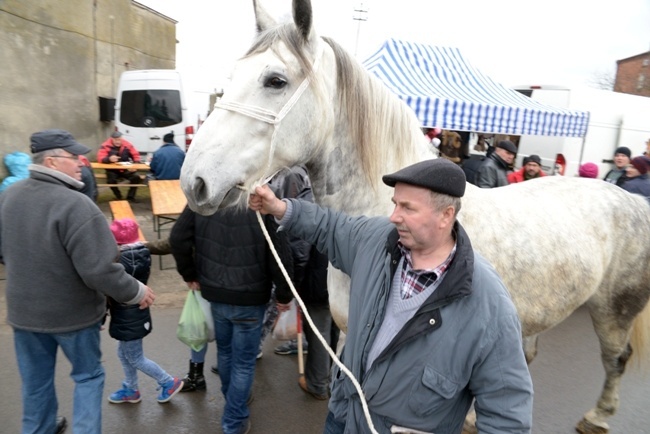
(333, 426)
(36, 357)
(198, 356)
(238, 332)
(132, 357)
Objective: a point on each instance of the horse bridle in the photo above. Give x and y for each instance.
(270, 117)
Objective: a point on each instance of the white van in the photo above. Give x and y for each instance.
(149, 104)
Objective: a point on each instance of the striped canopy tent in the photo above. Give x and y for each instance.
(445, 91)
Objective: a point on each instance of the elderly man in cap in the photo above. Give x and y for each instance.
(167, 160)
(431, 326)
(114, 150)
(531, 169)
(57, 282)
(494, 170)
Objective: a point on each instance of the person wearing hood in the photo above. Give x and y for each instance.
(494, 170)
(167, 160)
(636, 175)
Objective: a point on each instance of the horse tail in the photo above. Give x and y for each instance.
(640, 339)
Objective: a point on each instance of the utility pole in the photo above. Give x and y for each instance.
(360, 14)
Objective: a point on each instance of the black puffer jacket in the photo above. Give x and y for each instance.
(129, 322)
(228, 255)
(309, 265)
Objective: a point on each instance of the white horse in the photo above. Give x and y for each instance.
(558, 243)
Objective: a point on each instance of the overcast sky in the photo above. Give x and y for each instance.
(552, 42)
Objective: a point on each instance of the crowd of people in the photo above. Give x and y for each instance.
(496, 170)
(423, 305)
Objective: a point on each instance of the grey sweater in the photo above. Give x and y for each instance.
(59, 255)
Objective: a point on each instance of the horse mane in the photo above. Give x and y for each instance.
(390, 136)
(391, 130)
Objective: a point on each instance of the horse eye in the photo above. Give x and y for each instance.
(275, 83)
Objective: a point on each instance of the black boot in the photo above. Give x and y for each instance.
(194, 380)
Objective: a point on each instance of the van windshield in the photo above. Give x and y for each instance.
(153, 108)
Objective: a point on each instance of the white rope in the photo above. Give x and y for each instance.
(336, 360)
(274, 119)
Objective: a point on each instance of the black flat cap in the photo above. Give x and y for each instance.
(56, 139)
(507, 145)
(439, 175)
(116, 135)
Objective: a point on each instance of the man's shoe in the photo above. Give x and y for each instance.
(132, 199)
(303, 385)
(214, 369)
(61, 424)
(290, 348)
(245, 427)
(125, 395)
(169, 389)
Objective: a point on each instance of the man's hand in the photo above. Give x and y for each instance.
(148, 298)
(283, 307)
(113, 158)
(194, 285)
(265, 201)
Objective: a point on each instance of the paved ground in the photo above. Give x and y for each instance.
(567, 376)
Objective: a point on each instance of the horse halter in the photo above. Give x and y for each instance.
(269, 116)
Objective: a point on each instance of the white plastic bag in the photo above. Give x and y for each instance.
(207, 311)
(286, 327)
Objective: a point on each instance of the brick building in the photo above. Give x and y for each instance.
(633, 75)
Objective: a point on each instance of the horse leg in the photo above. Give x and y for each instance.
(615, 350)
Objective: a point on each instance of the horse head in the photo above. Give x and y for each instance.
(273, 114)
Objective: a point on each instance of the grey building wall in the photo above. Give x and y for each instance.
(58, 56)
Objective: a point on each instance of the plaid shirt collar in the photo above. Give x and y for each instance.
(416, 281)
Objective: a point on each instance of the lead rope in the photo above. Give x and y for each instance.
(274, 119)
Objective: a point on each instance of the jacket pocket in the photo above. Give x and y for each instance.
(433, 392)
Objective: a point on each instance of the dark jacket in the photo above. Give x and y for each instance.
(638, 185)
(493, 172)
(309, 265)
(228, 255)
(167, 162)
(129, 322)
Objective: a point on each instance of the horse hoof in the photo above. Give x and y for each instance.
(586, 427)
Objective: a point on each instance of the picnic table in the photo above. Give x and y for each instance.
(167, 203)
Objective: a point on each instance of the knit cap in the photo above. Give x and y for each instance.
(623, 150)
(125, 231)
(588, 170)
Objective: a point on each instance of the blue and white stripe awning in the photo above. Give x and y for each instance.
(445, 91)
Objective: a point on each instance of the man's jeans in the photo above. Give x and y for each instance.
(36, 357)
(238, 332)
(133, 360)
(333, 426)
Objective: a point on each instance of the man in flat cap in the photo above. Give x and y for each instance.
(59, 255)
(494, 170)
(431, 326)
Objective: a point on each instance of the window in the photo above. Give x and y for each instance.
(153, 108)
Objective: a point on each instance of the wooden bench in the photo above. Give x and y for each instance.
(121, 209)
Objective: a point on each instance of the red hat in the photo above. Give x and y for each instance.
(125, 231)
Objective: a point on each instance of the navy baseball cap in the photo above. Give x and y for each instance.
(56, 139)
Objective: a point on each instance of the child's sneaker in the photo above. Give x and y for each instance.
(169, 389)
(125, 394)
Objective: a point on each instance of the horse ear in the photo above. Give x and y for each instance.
(302, 17)
(263, 20)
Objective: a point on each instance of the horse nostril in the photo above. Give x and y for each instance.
(200, 191)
